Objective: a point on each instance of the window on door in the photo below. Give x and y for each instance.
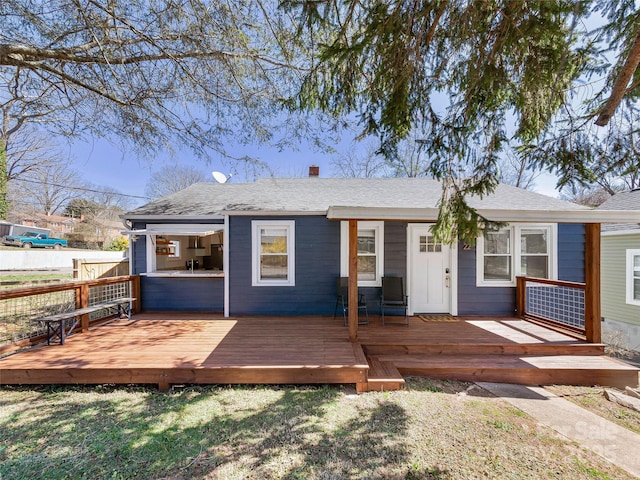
(428, 244)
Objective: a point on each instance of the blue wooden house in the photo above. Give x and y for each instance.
(276, 247)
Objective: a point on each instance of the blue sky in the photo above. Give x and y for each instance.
(106, 164)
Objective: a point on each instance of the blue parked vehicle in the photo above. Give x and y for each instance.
(33, 239)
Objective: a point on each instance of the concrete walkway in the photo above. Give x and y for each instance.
(616, 444)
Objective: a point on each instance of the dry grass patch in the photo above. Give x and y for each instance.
(432, 430)
(593, 399)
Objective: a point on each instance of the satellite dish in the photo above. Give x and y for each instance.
(220, 177)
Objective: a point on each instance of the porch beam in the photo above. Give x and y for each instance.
(592, 312)
(352, 319)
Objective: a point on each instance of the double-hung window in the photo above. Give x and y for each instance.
(633, 277)
(497, 258)
(273, 252)
(370, 253)
(527, 250)
(534, 252)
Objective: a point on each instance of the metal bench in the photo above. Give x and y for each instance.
(60, 325)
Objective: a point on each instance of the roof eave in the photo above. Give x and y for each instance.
(495, 215)
(273, 213)
(618, 233)
(163, 218)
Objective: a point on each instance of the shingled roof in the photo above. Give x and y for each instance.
(317, 195)
(412, 199)
(622, 201)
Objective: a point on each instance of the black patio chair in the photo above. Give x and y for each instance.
(393, 296)
(342, 301)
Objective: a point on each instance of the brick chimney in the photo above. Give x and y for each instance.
(314, 171)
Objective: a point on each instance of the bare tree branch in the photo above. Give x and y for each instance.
(172, 179)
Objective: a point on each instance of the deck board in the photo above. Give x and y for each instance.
(497, 331)
(179, 347)
(195, 348)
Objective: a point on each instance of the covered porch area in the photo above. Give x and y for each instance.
(203, 348)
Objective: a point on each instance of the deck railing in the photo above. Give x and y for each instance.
(19, 306)
(553, 302)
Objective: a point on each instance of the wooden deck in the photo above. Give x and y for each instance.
(178, 348)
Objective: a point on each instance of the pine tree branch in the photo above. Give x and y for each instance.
(620, 86)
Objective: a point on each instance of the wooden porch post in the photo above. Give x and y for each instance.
(592, 320)
(353, 281)
(521, 296)
(82, 301)
(135, 293)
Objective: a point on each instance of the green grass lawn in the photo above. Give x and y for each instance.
(431, 430)
(10, 280)
(30, 277)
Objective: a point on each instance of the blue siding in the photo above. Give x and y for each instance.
(140, 255)
(163, 293)
(317, 266)
(317, 253)
(139, 251)
(395, 261)
(395, 249)
(474, 300)
(182, 294)
(571, 247)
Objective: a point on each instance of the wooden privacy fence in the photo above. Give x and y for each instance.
(20, 306)
(90, 269)
(553, 302)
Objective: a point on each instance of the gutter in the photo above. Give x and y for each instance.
(496, 215)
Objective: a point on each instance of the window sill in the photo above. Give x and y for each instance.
(185, 273)
(496, 284)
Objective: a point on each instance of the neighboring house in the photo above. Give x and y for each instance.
(59, 226)
(276, 246)
(92, 232)
(621, 271)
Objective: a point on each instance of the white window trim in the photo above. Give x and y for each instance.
(256, 225)
(516, 254)
(378, 227)
(629, 277)
(152, 231)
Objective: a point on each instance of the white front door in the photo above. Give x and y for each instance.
(429, 272)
